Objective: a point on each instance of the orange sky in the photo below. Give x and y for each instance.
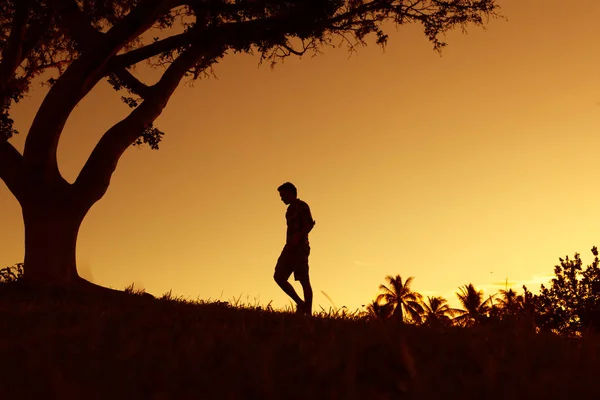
(476, 166)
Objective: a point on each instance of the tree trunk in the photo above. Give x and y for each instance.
(52, 219)
(398, 315)
(51, 228)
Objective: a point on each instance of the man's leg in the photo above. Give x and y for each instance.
(308, 295)
(283, 270)
(301, 275)
(288, 289)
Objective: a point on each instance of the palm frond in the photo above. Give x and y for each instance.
(459, 312)
(408, 282)
(387, 297)
(386, 289)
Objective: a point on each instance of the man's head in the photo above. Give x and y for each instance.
(288, 192)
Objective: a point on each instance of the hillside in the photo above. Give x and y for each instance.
(131, 346)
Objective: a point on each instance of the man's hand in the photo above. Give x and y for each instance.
(299, 237)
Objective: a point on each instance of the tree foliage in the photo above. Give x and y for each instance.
(39, 36)
(571, 303)
(11, 274)
(475, 308)
(378, 310)
(436, 311)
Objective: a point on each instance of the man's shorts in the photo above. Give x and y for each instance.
(293, 259)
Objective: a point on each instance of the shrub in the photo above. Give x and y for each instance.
(11, 274)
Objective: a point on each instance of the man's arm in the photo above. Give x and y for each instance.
(307, 220)
(307, 224)
(306, 228)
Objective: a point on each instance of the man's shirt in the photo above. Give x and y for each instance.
(298, 216)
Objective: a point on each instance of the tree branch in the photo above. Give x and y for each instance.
(137, 21)
(291, 50)
(11, 168)
(94, 178)
(79, 78)
(143, 53)
(208, 44)
(132, 83)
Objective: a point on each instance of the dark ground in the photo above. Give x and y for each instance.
(130, 346)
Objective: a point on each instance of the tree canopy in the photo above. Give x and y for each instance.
(41, 35)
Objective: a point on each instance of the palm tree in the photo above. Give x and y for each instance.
(475, 309)
(510, 302)
(436, 311)
(402, 298)
(378, 310)
(528, 308)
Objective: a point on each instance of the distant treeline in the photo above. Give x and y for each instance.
(569, 306)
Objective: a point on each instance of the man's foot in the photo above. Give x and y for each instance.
(303, 308)
(307, 309)
(300, 308)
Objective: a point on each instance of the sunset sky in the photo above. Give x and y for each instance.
(478, 165)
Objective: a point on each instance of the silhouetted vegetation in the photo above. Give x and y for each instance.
(437, 312)
(378, 310)
(571, 304)
(58, 342)
(475, 309)
(55, 345)
(405, 303)
(11, 274)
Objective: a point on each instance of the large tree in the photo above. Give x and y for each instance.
(82, 42)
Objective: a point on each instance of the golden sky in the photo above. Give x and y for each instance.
(476, 166)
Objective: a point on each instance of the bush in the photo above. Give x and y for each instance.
(11, 274)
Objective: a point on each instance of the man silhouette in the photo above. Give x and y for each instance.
(294, 256)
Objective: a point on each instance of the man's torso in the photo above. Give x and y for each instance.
(297, 216)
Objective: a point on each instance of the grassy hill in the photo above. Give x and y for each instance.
(64, 346)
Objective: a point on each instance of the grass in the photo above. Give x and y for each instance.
(58, 345)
